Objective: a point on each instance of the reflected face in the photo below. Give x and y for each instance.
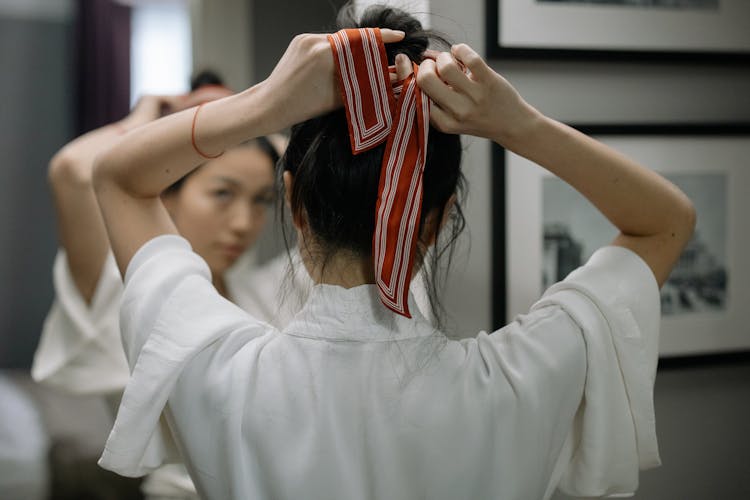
(222, 207)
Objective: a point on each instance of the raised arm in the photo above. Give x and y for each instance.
(654, 217)
(131, 175)
(80, 225)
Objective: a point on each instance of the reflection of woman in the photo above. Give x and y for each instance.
(220, 208)
(351, 399)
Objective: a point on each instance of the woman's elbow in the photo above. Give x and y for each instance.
(102, 173)
(65, 171)
(687, 218)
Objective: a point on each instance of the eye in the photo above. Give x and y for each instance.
(222, 194)
(265, 199)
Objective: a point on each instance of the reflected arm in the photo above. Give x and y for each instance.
(80, 225)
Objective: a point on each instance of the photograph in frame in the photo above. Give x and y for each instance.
(680, 30)
(551, 229)
(573, 229)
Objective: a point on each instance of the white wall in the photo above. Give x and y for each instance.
(575, 92)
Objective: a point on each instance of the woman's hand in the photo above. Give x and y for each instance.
(303, 83)
(149, 108)
(201, 95)
(655, 218)
(152, 107)
(470, 98)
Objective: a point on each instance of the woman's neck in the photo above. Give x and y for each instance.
(345, 269)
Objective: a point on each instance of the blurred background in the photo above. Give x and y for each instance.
(70, 66)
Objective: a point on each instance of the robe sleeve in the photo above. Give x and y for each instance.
(80, 349)
(170, 313)
(615, 301)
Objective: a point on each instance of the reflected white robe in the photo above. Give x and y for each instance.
(352, 401)
(80, 350)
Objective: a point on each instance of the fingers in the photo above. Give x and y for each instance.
(390, 36)
(148, 105)
(451, 100)
(430, 54)
(171, 103)
(450, 71)
(203, 94)
(210, 93)
(467, 56)
(403, 67)
(429, 81)
(443, 121)
(455, 74)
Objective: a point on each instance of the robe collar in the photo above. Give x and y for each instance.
(357, 315)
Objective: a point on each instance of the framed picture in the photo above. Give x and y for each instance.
(546, 229)
(659, 30)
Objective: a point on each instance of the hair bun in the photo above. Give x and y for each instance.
(414, 43)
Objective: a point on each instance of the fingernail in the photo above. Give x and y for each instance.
(399, 32)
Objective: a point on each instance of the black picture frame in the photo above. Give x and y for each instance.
(496, 51)
(500, 213)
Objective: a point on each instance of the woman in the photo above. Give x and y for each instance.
(353, 399)
(221, 208)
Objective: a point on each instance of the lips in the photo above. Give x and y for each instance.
(232, 251)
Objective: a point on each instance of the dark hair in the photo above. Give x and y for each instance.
(203, 78)
(338, 191)
(208, 77)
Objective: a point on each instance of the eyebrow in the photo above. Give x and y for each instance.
(228, 180)
(238, 184)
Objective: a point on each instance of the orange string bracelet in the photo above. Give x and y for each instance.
(192, 136)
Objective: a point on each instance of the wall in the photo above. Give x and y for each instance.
(703, 409)
(276, 22)
(36, 96)
(223, 40)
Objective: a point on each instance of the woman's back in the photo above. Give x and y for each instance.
(353, 401)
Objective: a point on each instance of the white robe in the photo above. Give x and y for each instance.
(352, 401)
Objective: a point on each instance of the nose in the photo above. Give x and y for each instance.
(243, 219)
(247, 218)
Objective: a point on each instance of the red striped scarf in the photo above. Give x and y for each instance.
(376, 112)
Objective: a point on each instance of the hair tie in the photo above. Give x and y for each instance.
(376, 112)
(192, 136)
